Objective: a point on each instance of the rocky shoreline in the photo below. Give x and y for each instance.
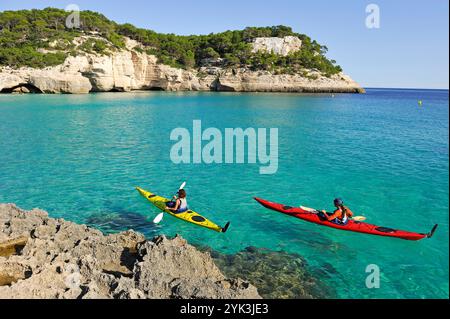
(46, 258)
(42, 257)
(130, 70)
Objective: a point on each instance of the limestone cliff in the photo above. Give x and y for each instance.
(129, 69)
(280, 46)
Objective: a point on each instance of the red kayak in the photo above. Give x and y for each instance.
(352, 225)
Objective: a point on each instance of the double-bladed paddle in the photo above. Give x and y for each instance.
(314, 211)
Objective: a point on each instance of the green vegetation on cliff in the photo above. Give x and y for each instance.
(39, 38)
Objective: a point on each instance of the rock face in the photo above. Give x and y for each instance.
(127, 70)
(41, 257)
(241, 80)
(280, 46)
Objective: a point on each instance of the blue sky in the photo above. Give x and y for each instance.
(409, 50)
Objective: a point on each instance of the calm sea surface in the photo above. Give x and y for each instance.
(80, 157)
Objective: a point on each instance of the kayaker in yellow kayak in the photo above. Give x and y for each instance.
(179, 205)
(340, 215)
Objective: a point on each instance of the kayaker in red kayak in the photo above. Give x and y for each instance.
(340, 215)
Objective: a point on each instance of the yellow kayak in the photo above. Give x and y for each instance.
(189, 216)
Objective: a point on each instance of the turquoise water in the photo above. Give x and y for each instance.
(79, 157)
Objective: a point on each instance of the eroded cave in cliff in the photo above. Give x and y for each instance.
(22, 88)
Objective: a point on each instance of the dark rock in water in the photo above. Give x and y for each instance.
(330, 268)
(251, 249)
(117, 220)
(276, 274)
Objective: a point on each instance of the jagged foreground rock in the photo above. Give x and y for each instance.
(41, 257)
(127, 70)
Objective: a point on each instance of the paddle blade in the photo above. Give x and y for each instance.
(182, 185)
(158, 218)
(311, 210)
(359, 218)
(224, 229)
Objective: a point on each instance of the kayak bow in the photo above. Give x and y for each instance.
(354, 226)
(188, 216)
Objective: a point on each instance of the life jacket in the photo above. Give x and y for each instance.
(343, 217)
(183, 205)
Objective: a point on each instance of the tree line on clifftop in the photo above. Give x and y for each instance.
(40, 38)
